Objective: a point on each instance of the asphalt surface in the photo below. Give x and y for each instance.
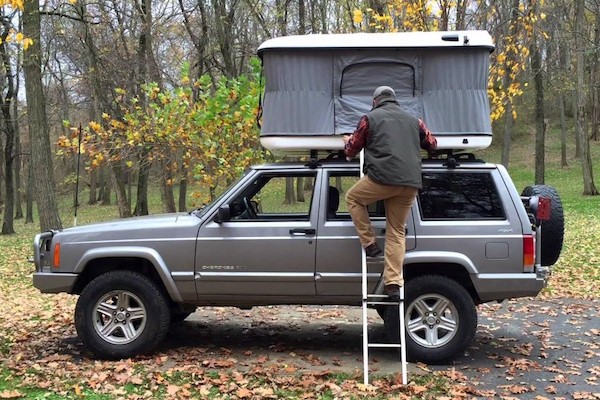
(525, 348)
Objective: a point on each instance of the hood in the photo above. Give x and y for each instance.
(138, 228)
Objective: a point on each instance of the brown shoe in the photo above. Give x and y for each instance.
(393, 292)
(373, 250)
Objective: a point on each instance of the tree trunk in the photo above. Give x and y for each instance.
(182, 195)
(577, 137)
(38, 124)
(586, 162)
(594, 76)
(461, 14)
(93, 187)
(8, 96)
(166, 184)
(224, 19)
(300, 189)
(563, 131)
(540, 124)
(122, 200)
(509, 123)
(301, 17)
(290, 197)
(19, 157)
(29, 194)
(141, 205)
(105, 186)
(507, 82)
(8, 221)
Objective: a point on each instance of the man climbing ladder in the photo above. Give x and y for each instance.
(392, 139)
(390, 171)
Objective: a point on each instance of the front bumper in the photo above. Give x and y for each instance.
(52, 282)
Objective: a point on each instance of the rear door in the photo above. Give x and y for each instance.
(338, 265)
(268, 247)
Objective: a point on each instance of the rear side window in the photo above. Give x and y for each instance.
(459, 196)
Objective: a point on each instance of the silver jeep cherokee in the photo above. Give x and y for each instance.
(470, 239)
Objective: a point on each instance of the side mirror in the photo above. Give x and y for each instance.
(224, 214)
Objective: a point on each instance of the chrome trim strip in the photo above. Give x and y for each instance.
(259, 274)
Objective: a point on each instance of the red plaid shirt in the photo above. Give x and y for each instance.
(358, 140)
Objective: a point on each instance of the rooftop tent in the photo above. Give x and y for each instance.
(318, 86)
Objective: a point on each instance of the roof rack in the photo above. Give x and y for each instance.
(452, 159)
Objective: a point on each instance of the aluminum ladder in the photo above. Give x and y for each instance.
(380, 300)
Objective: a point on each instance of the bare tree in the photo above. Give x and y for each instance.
(540, 120)
(509, 120)
(580, 43)
(38, 124)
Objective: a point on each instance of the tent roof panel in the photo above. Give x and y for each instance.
(381, 40)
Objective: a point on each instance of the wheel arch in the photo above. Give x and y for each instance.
(455, 266)
(96, 262)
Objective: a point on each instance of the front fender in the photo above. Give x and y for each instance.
(134, 252)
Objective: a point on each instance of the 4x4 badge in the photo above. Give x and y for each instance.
(505, 230)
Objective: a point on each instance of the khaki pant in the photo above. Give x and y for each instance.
(398, 200)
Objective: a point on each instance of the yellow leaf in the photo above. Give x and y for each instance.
(357, 16)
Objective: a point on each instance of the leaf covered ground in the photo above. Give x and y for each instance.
(41, 356)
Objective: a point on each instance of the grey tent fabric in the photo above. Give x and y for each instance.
(455, 99)
(298, 93)
(312, 92)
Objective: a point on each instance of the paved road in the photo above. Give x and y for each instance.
(524, 348)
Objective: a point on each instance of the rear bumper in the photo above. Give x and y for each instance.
(506, 286)
(48, 282)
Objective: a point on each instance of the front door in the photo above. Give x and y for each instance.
(268, 247)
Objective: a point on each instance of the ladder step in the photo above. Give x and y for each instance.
(385, 345)
(384, 303)
(377, 296)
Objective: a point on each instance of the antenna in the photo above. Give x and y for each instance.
(77, 177)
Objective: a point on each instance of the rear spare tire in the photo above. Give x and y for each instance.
(440, 318)
(553, 229)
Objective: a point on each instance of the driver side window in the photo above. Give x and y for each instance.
(274, 197)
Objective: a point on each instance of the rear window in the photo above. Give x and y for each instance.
(459, 196)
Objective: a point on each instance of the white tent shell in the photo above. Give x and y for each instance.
(318, 86)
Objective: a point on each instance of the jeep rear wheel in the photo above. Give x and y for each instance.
(440, 319)
(121, 314)
(553, 230)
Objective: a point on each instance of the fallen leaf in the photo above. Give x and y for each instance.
(10, 394)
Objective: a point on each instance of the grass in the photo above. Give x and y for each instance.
(37, 361)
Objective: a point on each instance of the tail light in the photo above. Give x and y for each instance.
(56, 256)
(528, 253)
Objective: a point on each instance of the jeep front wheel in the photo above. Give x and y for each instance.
(440, 319)
(121, 314)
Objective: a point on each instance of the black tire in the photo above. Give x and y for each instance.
(454, 322)
(121, 297)
(553, 230)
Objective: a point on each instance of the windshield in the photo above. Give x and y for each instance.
(200, 211)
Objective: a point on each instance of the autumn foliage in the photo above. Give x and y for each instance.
(200, 131)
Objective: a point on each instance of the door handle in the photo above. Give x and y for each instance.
(302, 232)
